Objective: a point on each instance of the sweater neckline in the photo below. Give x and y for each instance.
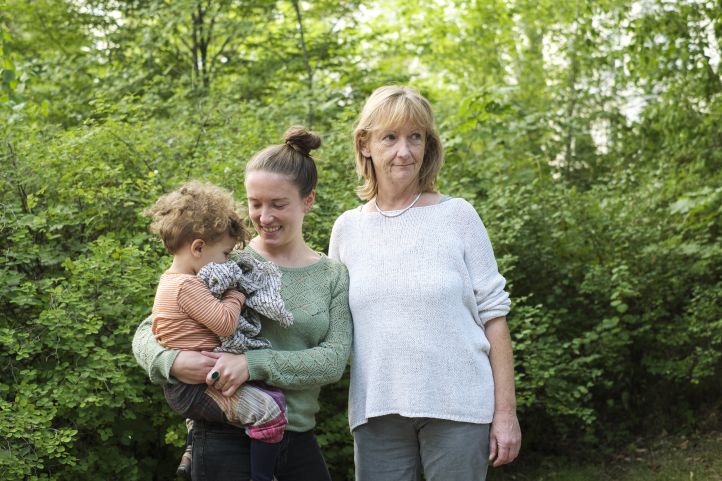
(312, 266)
(444, 200)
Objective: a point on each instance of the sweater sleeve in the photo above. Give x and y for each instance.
(152, 357)
(333, 246)
(317, 366)
(491, 298)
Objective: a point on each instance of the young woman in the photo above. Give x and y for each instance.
(280, 185)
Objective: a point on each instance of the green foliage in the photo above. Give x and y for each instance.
(72, 376)
(333, 431)
(664, 458)
(585, 133)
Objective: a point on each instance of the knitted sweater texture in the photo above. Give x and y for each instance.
(261, 283)
(305, 356)
(422, 286)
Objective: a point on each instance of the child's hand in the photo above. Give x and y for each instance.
(229, 372)
(237, 294)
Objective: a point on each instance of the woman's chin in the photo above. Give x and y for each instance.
(271, 237)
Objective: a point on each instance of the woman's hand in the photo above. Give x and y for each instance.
(504, 438)
(505, 433)
(191, 367)
(232, 371)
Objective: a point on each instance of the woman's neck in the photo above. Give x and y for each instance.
(391, 198)
(297, 254)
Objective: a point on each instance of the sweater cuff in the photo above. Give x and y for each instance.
(487, 316)
(258, 360)
(160, 369)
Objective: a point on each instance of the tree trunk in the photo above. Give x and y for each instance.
(309, 70)
(201, 37)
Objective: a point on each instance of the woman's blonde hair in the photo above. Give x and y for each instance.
(391, 106)
(196, 210)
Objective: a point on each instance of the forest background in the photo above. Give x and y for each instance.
(586, 133)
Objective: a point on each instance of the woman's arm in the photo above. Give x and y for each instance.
(335, 240)
(317, 366)
(492, 303)
(505, 433)
(166, 365)
(492, 300)
(152, 357)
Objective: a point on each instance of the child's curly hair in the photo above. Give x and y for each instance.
(196, 210)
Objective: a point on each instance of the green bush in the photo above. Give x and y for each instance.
(606, 224)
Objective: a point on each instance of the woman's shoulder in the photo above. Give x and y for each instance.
(458, 206)
(322, 268)
(450, 200)
(462, 215)
(335, 268)
(346, 220)
(328, 272)
(350, 214)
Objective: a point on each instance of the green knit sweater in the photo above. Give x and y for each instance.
(304, 357)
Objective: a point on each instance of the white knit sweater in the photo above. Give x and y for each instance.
(422, 286)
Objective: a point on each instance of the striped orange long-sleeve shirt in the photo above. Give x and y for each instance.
(187, 316)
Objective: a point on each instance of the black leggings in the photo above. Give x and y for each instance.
(222, 453)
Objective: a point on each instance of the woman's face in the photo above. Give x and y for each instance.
(276, 208)
(397, 153)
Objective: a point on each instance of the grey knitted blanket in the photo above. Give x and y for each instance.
(260, 282)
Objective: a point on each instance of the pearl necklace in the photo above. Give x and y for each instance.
(396, 213)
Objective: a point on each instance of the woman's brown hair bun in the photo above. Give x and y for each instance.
(301, 140)
(291, 158)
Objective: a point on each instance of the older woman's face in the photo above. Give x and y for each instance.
(397, 153)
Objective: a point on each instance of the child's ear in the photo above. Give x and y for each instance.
(197, 247)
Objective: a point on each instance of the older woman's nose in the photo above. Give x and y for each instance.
(403, 148)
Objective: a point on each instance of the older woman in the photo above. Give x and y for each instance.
(432, 379)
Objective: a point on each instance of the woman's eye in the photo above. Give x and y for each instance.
(389, 137)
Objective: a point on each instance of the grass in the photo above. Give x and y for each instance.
(668, 458)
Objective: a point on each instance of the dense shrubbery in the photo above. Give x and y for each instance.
(612, 251)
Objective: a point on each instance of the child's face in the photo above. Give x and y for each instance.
(217, 251)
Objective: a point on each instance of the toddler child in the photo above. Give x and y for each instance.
(198, 306)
